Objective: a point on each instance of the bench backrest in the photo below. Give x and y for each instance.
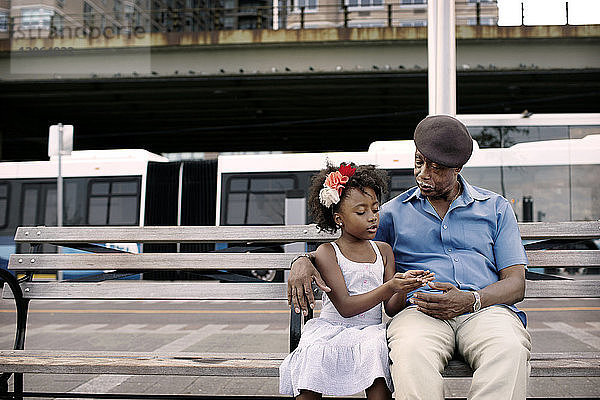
(102, 258)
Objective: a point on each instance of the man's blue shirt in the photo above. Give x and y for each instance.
(477, 238)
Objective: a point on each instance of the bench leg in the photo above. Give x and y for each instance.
(18, 386)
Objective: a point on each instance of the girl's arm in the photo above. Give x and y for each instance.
(349, 306)
(403, 283)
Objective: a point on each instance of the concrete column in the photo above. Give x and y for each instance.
(441, 52)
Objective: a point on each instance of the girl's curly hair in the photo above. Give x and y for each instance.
(366, 176)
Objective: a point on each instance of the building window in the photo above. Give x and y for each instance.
(117, 9)
(3, 204)
(414, 22)
(113, 202)
(407, 2)
(36, 18)
(482, 21)
(364, 3)
(88, 14)
(3, 21)
(309, 5)
(257, 200)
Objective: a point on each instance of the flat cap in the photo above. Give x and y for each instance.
(444, 140)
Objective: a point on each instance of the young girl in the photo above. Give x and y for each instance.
(344, 351)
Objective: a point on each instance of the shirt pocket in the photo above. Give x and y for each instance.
(475, 235)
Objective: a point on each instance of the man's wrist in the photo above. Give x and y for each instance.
(477, 302)
(300, 256)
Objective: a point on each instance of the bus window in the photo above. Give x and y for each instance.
(506, 136)
(585, 192)
(546, 186)
(113, 202)
(257, 200)
(3, 205)
(401, 183)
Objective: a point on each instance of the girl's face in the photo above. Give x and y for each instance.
(359, 214)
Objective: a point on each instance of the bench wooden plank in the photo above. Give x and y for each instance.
(137, 363)
(129, 290)
(580, 288)
(563, 258)
(172, 234)
(560, 230)
(150, 261)
(258, 234)
(235, 365)
(234, 261)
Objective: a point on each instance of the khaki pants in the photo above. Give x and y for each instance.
(493, 341)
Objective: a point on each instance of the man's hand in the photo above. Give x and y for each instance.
(446, 305)
(299, 289)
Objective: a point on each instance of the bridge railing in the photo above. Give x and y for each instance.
(297, 14)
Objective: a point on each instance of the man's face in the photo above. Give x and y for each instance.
(434, 180)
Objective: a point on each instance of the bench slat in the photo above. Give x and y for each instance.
(259, 234)
(236, 365)
(580, 288)
(130, 363)
(172, 234)
(150, 261)
(232, 261)
(129, 290)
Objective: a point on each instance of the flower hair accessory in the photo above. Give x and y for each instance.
(334, 183)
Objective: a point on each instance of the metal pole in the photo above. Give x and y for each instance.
(567, 11)
(441, 51)
(59, 179)
(522, 13)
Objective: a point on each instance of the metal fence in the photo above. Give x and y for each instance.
(249, 14)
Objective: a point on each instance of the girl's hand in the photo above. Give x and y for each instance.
(422, 276)
(410, 280)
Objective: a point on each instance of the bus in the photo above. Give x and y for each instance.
(547, 166)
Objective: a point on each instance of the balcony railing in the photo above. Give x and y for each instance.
(297, 15)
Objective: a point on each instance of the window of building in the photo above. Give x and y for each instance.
(364, 3)
(88, 14)
(413, 22)
(36, 18)
(3, 21)
(482, 21)
(413, 2)
(113, 202)
(309, 5)
(117, 9)
(257, 200)
(3, 204)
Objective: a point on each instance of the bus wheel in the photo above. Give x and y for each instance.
(268, 275)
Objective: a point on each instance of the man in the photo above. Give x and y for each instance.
(469, 238)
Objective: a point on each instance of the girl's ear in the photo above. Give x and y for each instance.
(337, 218)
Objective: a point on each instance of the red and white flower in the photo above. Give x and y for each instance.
(334, 184)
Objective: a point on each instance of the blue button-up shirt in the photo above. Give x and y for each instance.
(477, 237)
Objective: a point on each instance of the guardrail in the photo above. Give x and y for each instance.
(297, 14)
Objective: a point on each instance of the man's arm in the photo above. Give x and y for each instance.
(299, 285)
(452, 302)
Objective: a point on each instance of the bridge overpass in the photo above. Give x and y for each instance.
(301, 89)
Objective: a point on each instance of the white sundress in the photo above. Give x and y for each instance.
(336, 355)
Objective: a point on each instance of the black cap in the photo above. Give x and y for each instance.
(444, 140)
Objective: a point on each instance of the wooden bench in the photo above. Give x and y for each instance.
(20, 360)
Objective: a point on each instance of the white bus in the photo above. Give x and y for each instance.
(547, 166)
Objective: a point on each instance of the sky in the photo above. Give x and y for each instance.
(549, 12)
